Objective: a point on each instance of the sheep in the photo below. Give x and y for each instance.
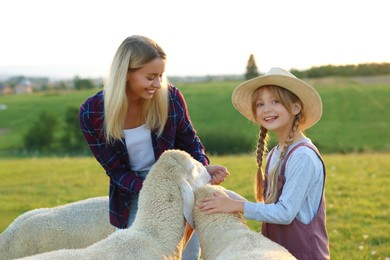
(158, 231)
(72, 225)
(226, 236)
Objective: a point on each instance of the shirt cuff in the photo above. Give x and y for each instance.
(250, 209)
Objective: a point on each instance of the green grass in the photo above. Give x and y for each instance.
(355, 117)
(24, 110)
(358, 209)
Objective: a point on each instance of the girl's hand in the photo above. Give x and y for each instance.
(218, 173)
(221, 203)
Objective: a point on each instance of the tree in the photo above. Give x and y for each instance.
(72, 139)
(251, 68)
(82, 83)
(40, 137)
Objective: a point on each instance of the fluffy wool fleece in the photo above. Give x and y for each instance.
(73, 225)
(158, 229)
(225, 236)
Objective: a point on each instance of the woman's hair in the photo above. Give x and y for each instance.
(286, 98)
(134, 52)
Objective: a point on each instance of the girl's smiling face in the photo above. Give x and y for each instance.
(272, 114)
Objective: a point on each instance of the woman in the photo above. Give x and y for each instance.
(133, 120)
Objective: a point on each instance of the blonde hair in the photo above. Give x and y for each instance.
(286, 98)
(134, 52)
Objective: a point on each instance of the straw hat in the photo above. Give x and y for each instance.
(312, 104)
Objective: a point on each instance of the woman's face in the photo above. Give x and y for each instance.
(142, 83)
(271, 114)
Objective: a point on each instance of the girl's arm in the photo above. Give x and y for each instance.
(302, 174)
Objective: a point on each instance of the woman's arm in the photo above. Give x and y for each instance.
(187, 139)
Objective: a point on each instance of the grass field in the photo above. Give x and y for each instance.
(355, 117)
(353, 136)
(358, 209)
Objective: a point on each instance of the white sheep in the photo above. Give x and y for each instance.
(226, 236)
(73, 225)
(158, 231)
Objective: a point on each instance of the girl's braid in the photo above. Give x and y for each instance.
(260, 152)
(290, 136)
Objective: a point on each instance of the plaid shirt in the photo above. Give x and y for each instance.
(178, 134)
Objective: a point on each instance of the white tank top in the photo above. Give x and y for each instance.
(140, 148)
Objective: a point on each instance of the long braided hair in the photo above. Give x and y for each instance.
(260, 152)
(286, 98)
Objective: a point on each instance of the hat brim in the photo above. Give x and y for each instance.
(311, 100)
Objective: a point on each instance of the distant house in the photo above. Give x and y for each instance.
(5, 89)
(24, 87)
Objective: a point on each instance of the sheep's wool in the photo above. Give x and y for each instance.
(226, 236)
(158, 229)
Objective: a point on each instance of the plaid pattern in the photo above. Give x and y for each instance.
(178, 134)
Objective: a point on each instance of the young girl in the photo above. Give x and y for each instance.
(290, 195)
(133, 121)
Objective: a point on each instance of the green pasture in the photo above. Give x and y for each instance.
(355, 117)
(352, 135)
(358, 208)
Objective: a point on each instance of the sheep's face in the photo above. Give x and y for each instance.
(194, 172)
(197, 175)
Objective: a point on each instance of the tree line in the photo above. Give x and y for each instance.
(363, 69)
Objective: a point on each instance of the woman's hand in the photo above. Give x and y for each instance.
(218, 173)
(221, 203)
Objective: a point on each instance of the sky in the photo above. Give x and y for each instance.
(67, 38)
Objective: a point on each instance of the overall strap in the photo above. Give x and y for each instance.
(282, 170)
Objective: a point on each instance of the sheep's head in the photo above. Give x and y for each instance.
(195, 175)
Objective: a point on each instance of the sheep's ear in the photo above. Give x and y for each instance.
(188, 200)
(234, 195)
